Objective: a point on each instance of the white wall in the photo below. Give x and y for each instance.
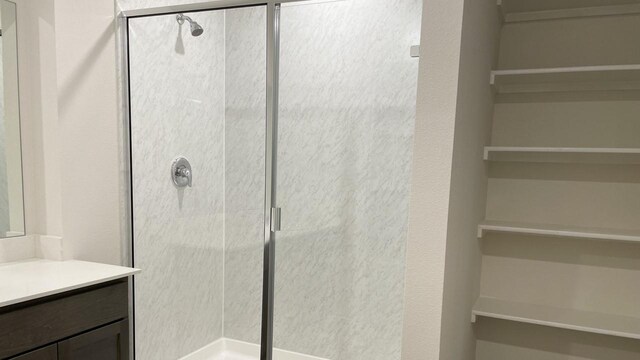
(69, 111)
(431, 178)
(480, 39)
(88, 129)
(455, 108)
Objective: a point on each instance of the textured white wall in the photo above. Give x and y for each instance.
(431, 178)
(479, 52)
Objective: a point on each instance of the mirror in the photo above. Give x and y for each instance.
(11, 191)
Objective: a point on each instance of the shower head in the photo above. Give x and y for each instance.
(196, 29)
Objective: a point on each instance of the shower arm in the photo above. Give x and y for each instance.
(181, 19)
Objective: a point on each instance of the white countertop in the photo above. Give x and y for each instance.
(35, 278)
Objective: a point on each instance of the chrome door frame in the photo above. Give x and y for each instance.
(271, 157)
(271, 138)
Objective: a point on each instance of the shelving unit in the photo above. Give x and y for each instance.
(558, 231)
(562, 154)
(564, 10)
(561, 151)
(565, 79)
(571, 319)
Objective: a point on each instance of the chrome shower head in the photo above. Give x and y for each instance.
(196, 29)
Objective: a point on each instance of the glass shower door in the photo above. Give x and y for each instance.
(347, 96)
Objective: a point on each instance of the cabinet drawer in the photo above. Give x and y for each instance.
(109, 342)
(44, 321)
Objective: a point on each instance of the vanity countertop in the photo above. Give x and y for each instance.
(35, 278)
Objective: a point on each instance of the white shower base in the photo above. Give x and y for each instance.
(229, 349)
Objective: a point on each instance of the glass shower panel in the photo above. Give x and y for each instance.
(199, 96)
(245, 171)
(347, 107)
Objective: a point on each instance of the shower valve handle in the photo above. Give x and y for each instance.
(185, 174)
(181, 172)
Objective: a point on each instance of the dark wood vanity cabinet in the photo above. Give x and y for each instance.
(46, 353)
(86, 324)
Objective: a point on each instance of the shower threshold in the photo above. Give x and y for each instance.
(229, 349)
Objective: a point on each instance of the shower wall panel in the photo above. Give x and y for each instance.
(245, 169)
(177, 109)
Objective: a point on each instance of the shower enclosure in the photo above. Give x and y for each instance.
(270, 151)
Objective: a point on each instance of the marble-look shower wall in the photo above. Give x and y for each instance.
(177, 109)
(244, 171)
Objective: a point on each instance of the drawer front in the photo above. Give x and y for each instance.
(37, 323)
(109, 342)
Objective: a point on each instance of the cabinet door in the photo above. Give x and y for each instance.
(47, 353)
(109, 342)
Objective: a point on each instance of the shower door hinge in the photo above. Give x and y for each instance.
(415, 51)
(275, 219)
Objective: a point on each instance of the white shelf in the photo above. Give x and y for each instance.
(520, 11)
(578, 320)
(562, 154)
(567, 79)
(558, 231)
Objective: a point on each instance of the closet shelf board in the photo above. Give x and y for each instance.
(563, 318)
(566, 10)
(558, 231)
(567, 79)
